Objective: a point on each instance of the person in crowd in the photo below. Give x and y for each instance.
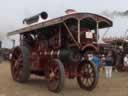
(102, 62)
(108, 65)
(126, 62)
(90, 56)
(95, 60)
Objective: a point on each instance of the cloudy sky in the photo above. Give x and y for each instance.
(12, 12)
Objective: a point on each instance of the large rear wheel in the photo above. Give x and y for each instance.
(88, 75)
(55, 76)
(20, 67)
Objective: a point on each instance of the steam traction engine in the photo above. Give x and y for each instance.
(58, 48)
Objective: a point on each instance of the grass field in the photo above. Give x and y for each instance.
(117, 86)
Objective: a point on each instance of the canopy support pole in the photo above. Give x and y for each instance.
(78, 31)
(70, 33)
(97, 31)
(60, 35)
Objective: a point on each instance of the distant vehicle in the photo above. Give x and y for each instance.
(121, 51)
(4, 54)
(58, 48)
(119, 48)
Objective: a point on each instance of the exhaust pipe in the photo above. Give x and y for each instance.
(35, 18)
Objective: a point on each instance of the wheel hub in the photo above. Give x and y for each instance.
(51, 75)
(86, 75)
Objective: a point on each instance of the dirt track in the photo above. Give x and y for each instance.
(36, 86)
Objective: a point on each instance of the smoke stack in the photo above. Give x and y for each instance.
(35, 18)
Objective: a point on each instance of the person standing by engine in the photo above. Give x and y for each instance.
(102, 62)
(95, 60)
(108, 65)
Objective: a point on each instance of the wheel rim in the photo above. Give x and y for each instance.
(87, 75)
(16, 65)
(87, 78)
(54, 74)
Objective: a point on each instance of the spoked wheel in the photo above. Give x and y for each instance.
(56, 76)
(88, 75)
(20, 64)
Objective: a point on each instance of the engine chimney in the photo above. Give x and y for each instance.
(35, 18)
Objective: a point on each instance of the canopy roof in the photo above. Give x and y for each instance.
(88, 19)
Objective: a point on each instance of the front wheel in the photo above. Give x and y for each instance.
(88, 75)
(55, 76)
